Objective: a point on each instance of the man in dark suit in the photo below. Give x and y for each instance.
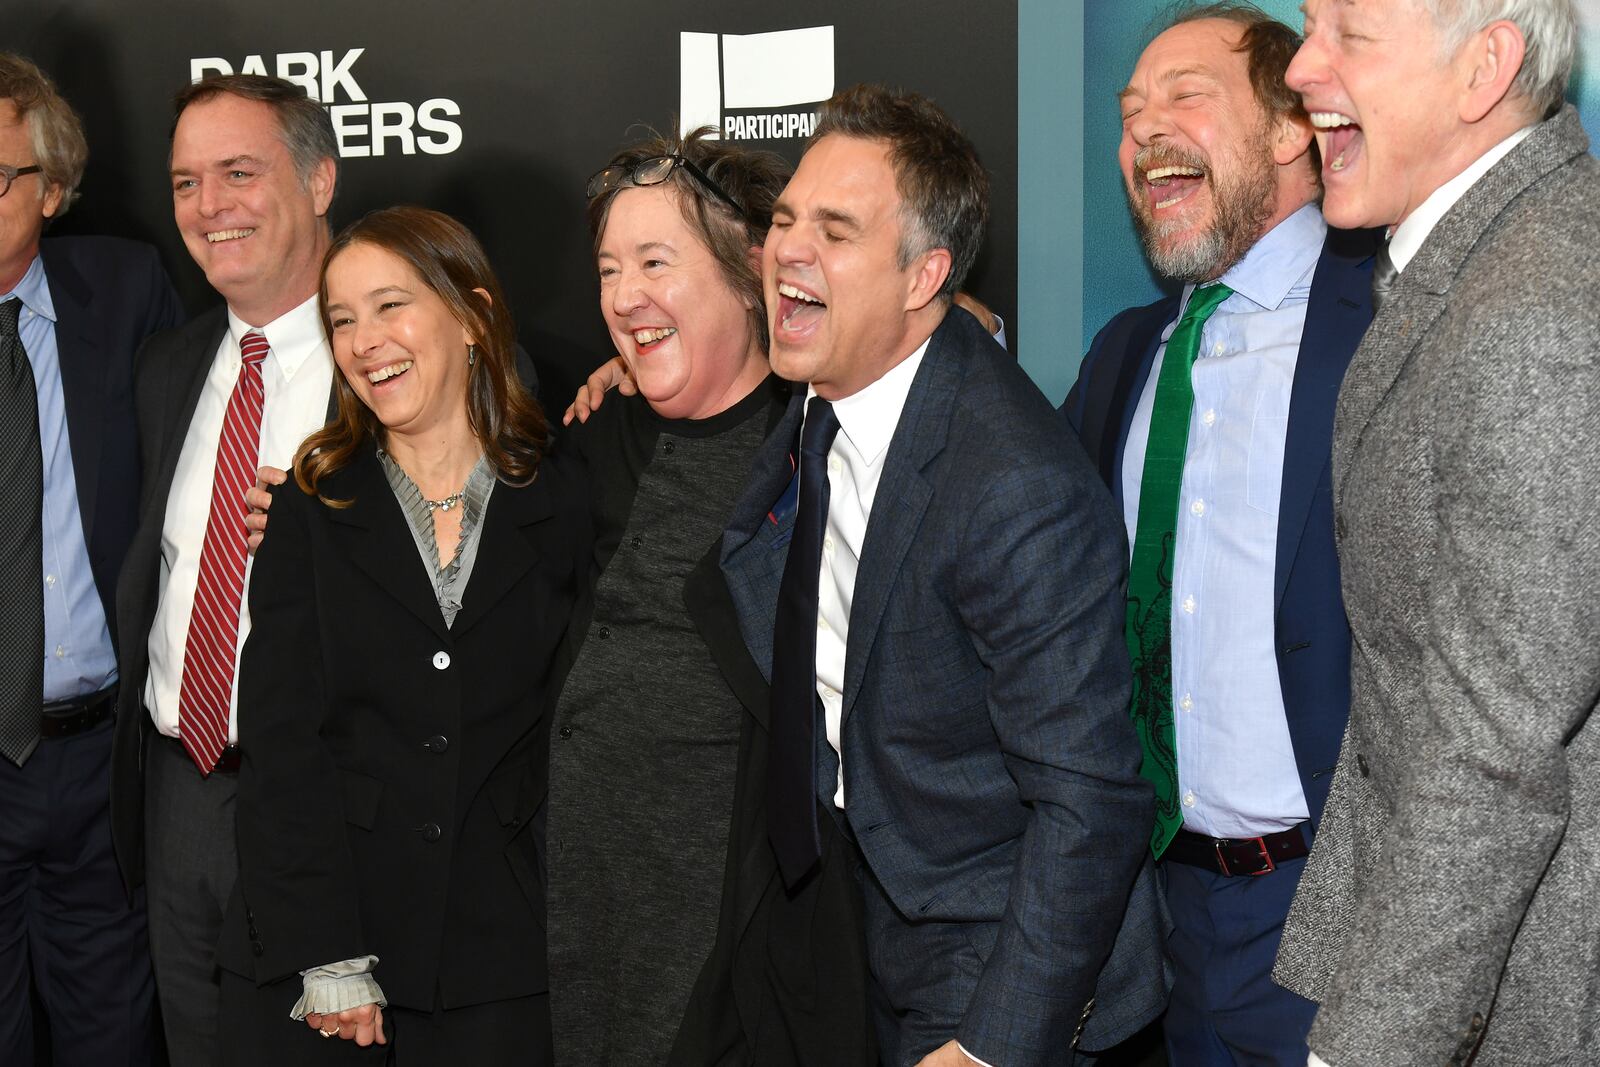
(253, 172)
(72, 313)
(1447, 913)
(1221, 175)
(949, 682)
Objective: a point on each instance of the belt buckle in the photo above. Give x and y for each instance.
(1261, 846)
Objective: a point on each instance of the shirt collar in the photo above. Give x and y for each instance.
(295, 335)
(1409, 235)
(869, 417)
(1278, 261)
(34, 291)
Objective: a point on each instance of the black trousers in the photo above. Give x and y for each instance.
(257, 1032)
(67, 926)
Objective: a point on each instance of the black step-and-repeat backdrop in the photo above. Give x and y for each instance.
(497, 110)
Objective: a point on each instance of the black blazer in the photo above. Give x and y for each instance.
(171, 373)
(109, 295)
(171, 369)
(394, 770)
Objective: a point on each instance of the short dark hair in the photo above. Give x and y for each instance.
(1268, 47)
(944, 190)
(54, 132)
(303, 124)
(753, 179)
(508, 422)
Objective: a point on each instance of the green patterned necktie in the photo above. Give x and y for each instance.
(1149, 619)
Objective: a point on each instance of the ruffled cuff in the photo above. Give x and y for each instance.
(338, 987)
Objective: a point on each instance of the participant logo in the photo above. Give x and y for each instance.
(750, 85)
(364, 128)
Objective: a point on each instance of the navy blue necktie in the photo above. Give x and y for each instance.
(791, 776)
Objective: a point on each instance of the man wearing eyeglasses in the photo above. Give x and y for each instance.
(73, 311)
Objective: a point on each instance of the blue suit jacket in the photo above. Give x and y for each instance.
(109, 295)
(1312, 637)
(991, 770)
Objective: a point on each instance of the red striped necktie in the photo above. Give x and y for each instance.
(210, 653)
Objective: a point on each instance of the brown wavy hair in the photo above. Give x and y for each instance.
(508, 422)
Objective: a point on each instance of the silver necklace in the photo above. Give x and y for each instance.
(447, 503)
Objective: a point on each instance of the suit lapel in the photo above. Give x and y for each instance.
(903, 495)
(80, 340)
(1132, 375)
(187, 368)
(1422, 290)
(1336, 316)
(504, 554)
(376, 538)
(755, 544)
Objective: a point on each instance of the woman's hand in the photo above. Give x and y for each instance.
(363, 1025)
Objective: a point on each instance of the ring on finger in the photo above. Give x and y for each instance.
(328, 1033)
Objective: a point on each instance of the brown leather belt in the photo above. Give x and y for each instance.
(1238, 856)
(64, 718)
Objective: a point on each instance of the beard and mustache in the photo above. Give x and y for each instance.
(1242, 202)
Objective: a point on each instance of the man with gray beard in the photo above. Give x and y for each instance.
(1209, 414)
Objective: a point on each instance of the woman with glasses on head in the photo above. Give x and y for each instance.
(662, 883)
(407, 608)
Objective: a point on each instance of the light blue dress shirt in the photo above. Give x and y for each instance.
(1236, 770)
(78, 659)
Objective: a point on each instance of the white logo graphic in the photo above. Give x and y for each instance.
(364, 129)
(729, 72)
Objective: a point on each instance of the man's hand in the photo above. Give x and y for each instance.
(948, 1054)
(259, 500)
(612, 374)
(363, 1025)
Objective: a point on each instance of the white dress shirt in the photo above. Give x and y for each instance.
(297, 376)
(867, 421)
(1409, 235)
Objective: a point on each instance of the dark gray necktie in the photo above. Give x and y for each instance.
(21, 546)
(1384, 275)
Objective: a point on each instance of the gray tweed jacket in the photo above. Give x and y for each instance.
(1452, 903)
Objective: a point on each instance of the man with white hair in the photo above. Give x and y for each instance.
(1446, 913)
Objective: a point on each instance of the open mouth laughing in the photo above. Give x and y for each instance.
(1167, 177)
(648, 338)
(389, 372)
(1340, 137)
(798, 309)
(219, 236)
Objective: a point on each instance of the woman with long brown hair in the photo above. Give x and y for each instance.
(397, 683)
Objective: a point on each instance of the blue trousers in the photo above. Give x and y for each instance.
(1225, 1009)
(67, 927)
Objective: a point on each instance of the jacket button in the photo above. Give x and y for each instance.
(441, 660)
(637, 541)
(669, 448)
(566, 733)
(1477, 1022)
(430, 832)
(1361, 765)
(605, 632)
(257, 947)
(437, 744)
(253, 935)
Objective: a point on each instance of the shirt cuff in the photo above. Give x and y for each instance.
(984, 1063)
(338, 987)
(1316, 1061)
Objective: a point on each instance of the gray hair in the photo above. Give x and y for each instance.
(54, 133)
(1549, 29)
(304, 125)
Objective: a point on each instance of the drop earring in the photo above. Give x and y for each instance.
(472, 354)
